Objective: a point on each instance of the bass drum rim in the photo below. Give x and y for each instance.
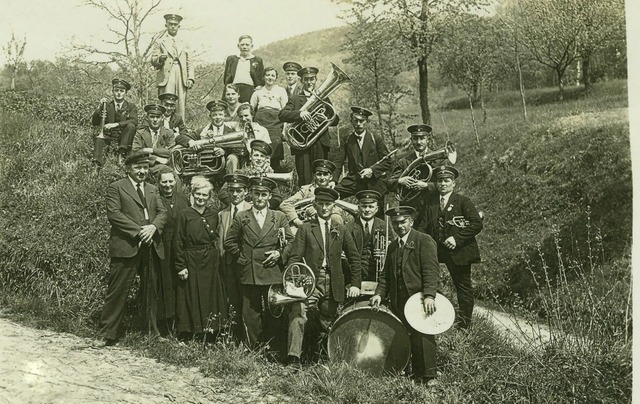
(398, 349)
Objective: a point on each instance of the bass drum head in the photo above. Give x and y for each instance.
(373, 340)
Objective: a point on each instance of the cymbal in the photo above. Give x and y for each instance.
(433, 324)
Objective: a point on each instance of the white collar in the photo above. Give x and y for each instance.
(406, 237)
(250, 56)
(135, 184)
(263, 212)
(365, 222)
(322, 221)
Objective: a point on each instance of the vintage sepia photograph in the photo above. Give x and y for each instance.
(317, 201)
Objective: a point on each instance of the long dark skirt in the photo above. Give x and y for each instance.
(268, 117)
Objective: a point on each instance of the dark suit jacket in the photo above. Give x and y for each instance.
(466, 251)
(177, 125)
(143, 139)
(418, 261)
(373, 149)
(128, 114)
(308, 244)
(357, 233)
(256, 70)
(291, 113)
(249, 243)
(126, 215)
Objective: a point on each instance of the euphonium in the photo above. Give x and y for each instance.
(421, 170)
(301, 208)
(188, 162)
(302, 135)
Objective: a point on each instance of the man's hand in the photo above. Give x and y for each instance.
(305, 116)
(353, 291)
(407, 181)
(272, 258)
(429, 305)
(111, 125)
(310, 211)
(190, 83)
(297, 222)
(183, 275)
(104, 100)
(146, 233)
(218, 152)
(420, 185)
(450, 243)
(148, 150)
(193, 145)
(366, 173)
(375, 300)
(331, 184)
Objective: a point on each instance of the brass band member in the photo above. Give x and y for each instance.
(362, 150)
(215, 128)
(252, 243)
(232, 98)
(291, 113)
(364, 230)
(320, 244)
(245, 121)
(291, 77)
(453, 221)
(171, 58)
(154, 139)
(137, 216)
(420, 139)
(237, 188)
(411, 266)
(119, 124)
(171, 119)
(245, 70)
(322, 172)
(258, 160)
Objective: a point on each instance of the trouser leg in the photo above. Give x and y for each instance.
(232, 163)
(423, 355)
(252, 313)
(297, 321)
(461, 276)
(148, 268)
(121, 277)
(126, 138)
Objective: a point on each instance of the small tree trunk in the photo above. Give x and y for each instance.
(586, 73)
(473, 120)
(484, 110)
(423, 88)
(559, 75)
(521, 84)
(13, 82)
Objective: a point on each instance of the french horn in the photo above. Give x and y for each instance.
(298, 283)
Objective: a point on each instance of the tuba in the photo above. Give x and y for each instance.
(298, 283)
(188, 162)
(302, 135)
(420, 169)
(281, 178)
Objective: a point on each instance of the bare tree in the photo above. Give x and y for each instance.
(14, 49)
(125, 45)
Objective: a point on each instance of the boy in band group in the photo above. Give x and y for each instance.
(253, 244)
(154, 139)
(171, 119)
(237, 188)
(137, 216)
(170, 57)
(453, 221)
(411, 266)
(215, 128)
(245, 70)
(291, 113)
(364, 230)
(320, 245)
(119, 124)
(322, 173)
(291, 77)
(363, 152)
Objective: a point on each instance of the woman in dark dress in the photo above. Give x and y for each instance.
(201, 304)
(174, 201)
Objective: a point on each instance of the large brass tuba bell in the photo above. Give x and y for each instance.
(420, 169)
(302, 135)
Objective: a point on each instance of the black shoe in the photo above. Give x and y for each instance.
(110, 342)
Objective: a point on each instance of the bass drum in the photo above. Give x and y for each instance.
(372, 339)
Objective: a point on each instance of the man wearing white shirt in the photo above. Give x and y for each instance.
(217, 127)
(245, 70)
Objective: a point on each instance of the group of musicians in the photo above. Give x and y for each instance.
(201, 268)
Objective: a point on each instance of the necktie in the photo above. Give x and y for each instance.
(367, 232)
(154, 138)
(235, 212)
(143, 200)
(326, 241)
(442, 203)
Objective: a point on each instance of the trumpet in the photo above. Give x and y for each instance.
(282, 238)
(103, 116)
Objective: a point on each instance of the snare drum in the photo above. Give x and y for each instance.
(372, 339)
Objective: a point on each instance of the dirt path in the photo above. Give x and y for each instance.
(39, 366)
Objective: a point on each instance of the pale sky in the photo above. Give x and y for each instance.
(209, 26)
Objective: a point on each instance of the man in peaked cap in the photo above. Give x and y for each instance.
(120, 122)
(154, 138)
(245, 69)
(291, 113)
(216, 127)
(237, 188)
(364, 152)
(322, 174)
(411, 266)
(291, 70)
(137, 216)
(172, 120)
(320, 245)
(170, 56)
(252, 243)
(366, 229)
(453, 221)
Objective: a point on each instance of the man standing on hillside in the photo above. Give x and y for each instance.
(137, 216)
(453, 222)
(291, 113)
(245, 70)
(291, 76)
(170, 57)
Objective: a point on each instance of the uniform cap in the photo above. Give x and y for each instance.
(262, 184)
(308, 72)
(151, 109)
(400, 212)
(261, 146)
(217, 105)
(116, 82)
(419, 130)
(324, 165)
(236, 180)
(360, 112)
(445, 172)
(291, 66)
(137, 157)
(324, 194)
